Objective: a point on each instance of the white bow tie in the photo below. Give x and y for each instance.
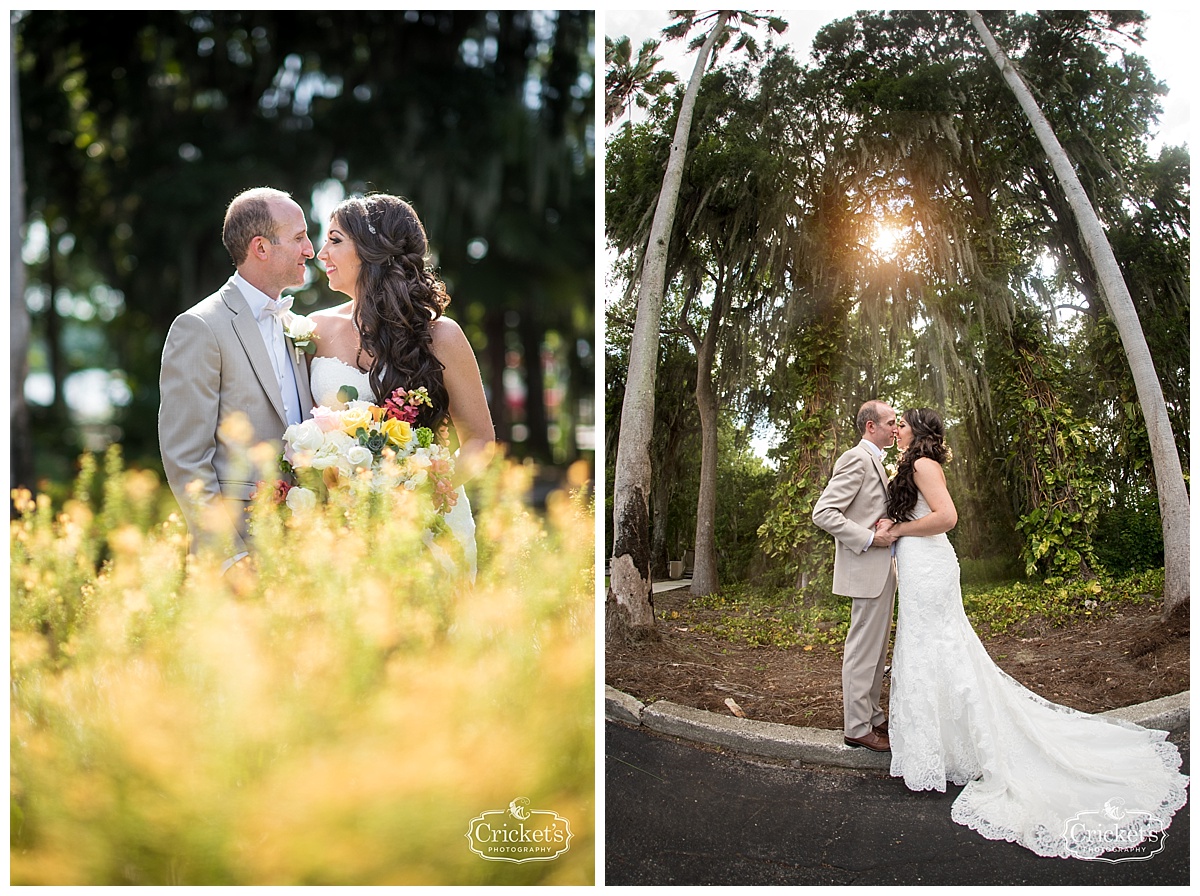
(277, 308)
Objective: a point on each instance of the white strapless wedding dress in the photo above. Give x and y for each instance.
(326, 377)
(1057, 781)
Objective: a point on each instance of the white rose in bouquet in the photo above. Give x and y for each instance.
(300, 499)
(359, 456)
(306, 436)
(333, 450)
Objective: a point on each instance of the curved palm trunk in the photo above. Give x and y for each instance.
(1172, 492)
(630, 605)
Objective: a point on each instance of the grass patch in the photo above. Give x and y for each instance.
(767, 617)
(777, 617)
(999, 608)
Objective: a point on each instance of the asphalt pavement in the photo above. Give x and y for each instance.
(687, 813)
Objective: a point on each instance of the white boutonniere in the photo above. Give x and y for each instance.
(892, 468)
(303, 334)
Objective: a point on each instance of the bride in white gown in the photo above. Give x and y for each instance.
(1057, 781)
(392, 334)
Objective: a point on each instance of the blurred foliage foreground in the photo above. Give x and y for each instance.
(338, 713)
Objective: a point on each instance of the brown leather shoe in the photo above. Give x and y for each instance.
(881, 729)
(870, 740)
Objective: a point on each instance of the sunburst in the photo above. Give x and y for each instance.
(886, 242)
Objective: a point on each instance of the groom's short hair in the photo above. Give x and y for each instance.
(868, 413)
(249, 215)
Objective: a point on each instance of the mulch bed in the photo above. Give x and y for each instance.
(1093, 666)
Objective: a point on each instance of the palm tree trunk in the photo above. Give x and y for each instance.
(631, 611)
(704, 574)
(1173, 500)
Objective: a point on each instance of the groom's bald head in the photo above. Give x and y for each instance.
(871, 412)
(251, 213)
(876, 422)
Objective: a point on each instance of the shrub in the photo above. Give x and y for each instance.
(338, 712)
(1129, 539)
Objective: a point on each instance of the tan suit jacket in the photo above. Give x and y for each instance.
(215, 365)
(854, 499)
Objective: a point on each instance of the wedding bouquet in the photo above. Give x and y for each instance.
(358, 440)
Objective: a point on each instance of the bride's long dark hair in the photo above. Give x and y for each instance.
(398, 297)
(928, 440)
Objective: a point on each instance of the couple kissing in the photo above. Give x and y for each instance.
(1035, 773)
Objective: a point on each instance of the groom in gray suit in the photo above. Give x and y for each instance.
(853, 502)
(230, 377)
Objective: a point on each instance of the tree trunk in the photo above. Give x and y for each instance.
(704, 575)
(21, 459)
(1173, 500)
(630, 588)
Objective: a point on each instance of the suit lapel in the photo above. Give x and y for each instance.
(877, 463)
(883, 476)
(246, 327)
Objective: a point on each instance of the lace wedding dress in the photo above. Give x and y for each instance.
(1057, 781)
(326, 377)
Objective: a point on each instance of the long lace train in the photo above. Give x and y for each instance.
(1057, 781)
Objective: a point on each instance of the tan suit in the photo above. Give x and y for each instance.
(854, 499)
(215, 364)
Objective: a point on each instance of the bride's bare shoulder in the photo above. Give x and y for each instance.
(926, 469)
(338, 312)
(332, 319)
(446, 333)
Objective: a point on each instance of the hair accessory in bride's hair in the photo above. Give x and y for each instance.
(371, 227)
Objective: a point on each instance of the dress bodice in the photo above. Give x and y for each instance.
(327, 375)
(920, 509)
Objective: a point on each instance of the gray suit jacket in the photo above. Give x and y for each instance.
(215, 366)
(854, 499)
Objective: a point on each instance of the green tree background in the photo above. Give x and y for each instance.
(137, 129)
(982, 304)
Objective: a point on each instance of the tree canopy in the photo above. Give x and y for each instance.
(139, 127)
(926, 255)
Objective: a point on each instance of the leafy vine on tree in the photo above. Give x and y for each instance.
(1049, 457)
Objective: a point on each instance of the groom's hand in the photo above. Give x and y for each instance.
(883, 535)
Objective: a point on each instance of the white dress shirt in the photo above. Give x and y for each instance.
(272, 333)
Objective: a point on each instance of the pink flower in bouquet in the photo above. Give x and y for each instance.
(405, 413)
(405, 405)
(444, 500)
(327, 420)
